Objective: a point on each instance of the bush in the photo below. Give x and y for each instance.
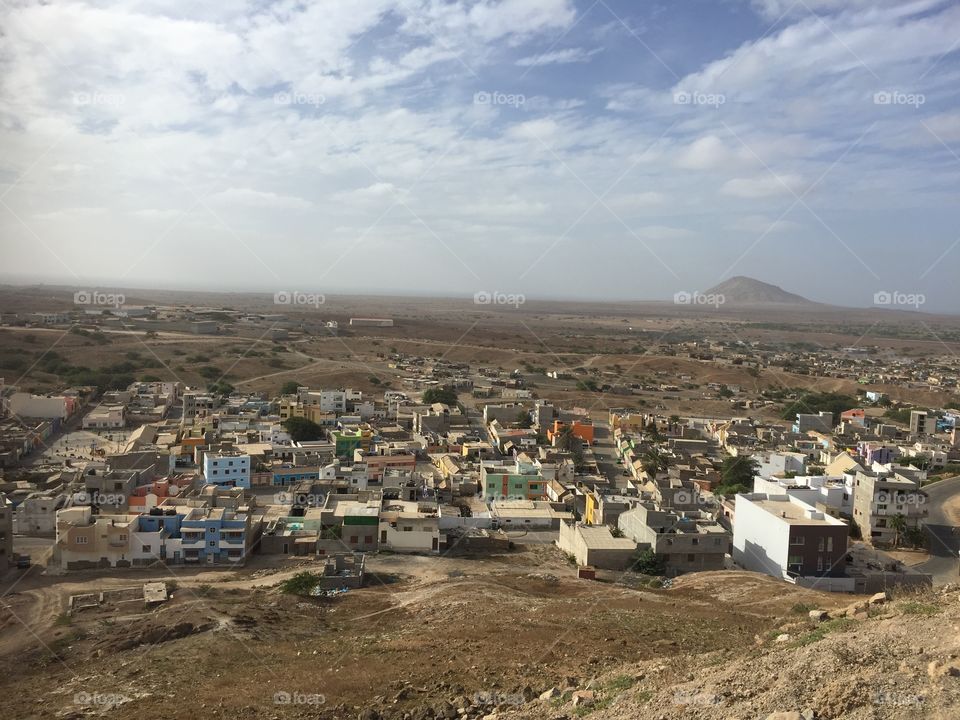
(302, 583)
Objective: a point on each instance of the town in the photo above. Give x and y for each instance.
(135, 487)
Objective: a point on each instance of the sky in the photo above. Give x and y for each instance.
(616, 149)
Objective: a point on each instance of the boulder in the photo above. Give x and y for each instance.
(550, 694)
(819, 615)
(879, 599)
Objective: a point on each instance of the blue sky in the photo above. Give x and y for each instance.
(553, 148)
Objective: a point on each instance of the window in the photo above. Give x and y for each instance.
(213, 543)
(123, 538)
(690, 557)
(695, 541)
(82, 540)
(820, 545)
(819, 563)
(716, 541)
(797, 540)
(368, 539)
(354, 539)
(146, 548)
(829, 544)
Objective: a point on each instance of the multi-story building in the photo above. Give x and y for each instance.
(511, 480)
(782, 536)
(214, 535)
(918, 422)
(49, 407)
(231, 469)
(878, 497)
(685, 542)
(819, 422)
(410, 526)
(377, 463)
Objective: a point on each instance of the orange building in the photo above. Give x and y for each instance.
(584, 431)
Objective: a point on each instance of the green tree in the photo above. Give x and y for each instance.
(445, 395)
(736, 473)
(649, 563)
(654, 461)
(302, 429)
(898, 523)
(523, 419)
(289, 387)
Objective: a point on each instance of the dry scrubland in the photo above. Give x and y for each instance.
(424, 632)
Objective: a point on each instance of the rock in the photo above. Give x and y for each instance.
(368, 714)
(785, 715)
(819, 615)
(550, 694)
(582, 698)
(879, 599)
(783, 637)
(808, 714)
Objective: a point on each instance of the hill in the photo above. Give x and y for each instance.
(742, 290)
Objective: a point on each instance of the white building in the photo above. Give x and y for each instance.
(786, 538)
(227, 468)
(37, 406)
(833, 493)
(105, 417)
(410, 526)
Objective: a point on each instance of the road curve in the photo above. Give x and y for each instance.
(942, 534)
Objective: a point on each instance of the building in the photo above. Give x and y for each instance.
(684, 542)
(528, 515)
(918, 422)
(49, 407)
(105, 417)
(511, 480)
(410, 526)
(6, 534)
(596, 546)
(37, 514)
(878, 497)
(229, 469)
(786, 538)
(371, 322)
(819, 422)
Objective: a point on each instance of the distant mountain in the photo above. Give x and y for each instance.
(742, 290)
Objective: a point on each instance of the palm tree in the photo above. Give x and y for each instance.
(654, 461)
(898, 523)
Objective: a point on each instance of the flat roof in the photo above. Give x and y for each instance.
(795, 513)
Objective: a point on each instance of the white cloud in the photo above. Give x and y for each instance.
(248, 197)
(559, 57)
(763, 186)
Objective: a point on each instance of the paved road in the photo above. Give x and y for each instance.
(944, 537)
